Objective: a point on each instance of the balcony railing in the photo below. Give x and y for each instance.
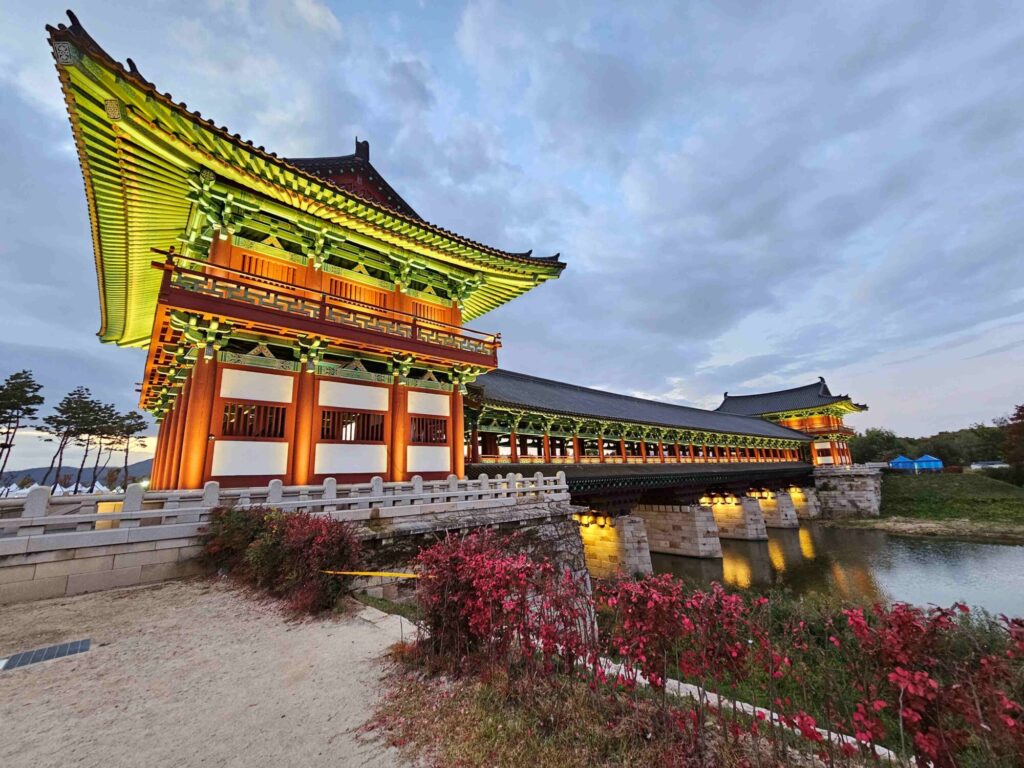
(232, 285)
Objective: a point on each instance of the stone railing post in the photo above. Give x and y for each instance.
(133, 497)
(330, 492)
(275, 492)
(37, 504)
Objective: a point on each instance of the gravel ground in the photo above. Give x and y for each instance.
(191, 673)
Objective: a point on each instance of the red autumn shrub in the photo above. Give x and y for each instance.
(928, 683)
(484, 602)
(284, 553)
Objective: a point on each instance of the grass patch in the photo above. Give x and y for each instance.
(949, 496)
(409, 611)
(559, 722)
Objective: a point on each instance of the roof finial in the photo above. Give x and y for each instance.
(363, 149)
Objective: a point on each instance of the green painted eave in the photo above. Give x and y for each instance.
(137, 149)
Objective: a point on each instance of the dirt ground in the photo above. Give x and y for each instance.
(191, 673)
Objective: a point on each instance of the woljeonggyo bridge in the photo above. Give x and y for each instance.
(304, 324)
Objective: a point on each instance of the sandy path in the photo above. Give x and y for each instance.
(190, 674)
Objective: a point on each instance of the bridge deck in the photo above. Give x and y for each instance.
(583, 478)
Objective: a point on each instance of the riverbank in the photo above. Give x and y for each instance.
(192, 673)
(966, 507)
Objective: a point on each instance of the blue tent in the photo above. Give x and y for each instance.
(902, 463)
(928, 463)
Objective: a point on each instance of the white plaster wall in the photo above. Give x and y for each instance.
(249, 457)
(429, 404)
(340, 458)
(337, 394)
(428, 458)
(252, 385)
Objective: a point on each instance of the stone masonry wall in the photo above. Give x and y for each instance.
(848, 492)
(63, 572)
(688, 530)
(779, 511)
(618, 547)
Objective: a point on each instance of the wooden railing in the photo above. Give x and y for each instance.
(225, 283)
(39, 522)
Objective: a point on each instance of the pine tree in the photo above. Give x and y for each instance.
(19, 404)
(67, 423)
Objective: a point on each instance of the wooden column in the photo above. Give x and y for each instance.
(458, 437)
(302, 438)
(661, 451)
(547, 449)
(474, 448)
(174, 455)
(622, 449)
(513, 444)
(154, 473)
(832, 450)
(643, 450)
(397, 449)
(576, 449)
(195, 441)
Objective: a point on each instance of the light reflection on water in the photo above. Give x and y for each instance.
(866, 566)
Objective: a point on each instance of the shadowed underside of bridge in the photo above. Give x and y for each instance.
(617, 487)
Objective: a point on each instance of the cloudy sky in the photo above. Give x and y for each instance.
(748, 195)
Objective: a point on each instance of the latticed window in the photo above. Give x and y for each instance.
(425, 429)
(351, 427)
(243, 420)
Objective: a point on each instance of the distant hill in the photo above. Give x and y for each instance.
(138, 471)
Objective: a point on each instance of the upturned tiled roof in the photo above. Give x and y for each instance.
(798, 398)
(519, 390)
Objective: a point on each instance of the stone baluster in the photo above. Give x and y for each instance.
(37, 503)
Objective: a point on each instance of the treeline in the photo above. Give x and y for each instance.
(1003, 439)
(78, 421)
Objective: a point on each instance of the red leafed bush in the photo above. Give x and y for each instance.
(929, 683)
(284, 553)
(483, 602)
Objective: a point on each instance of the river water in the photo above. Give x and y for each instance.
(867, 566)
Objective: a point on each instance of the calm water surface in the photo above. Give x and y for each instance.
(867, 566)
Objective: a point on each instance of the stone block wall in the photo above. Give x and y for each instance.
(620, 546)
(64, 572)
(740, 520)
(688, 530)
(848, 491)
(805, 501)
(778, 511)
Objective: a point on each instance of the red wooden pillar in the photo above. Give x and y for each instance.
(174, 456)
(154, 473)
(302, 437)
(832, 450)
(547, 449)
(661, 451)
(600, 448)
(513, 442)
(398, 449)
(196, 435)
(474, 448)
(576, 449)
(643, 450)
(622, 449)
(458, 438)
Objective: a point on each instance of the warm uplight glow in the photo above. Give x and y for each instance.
(736, 571)
(776, 556)
(807, 544)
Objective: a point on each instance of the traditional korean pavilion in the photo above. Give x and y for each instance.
(302, 320)
(811, 409)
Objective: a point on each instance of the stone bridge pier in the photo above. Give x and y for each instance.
(739, 518)
(805, 501)
(778, 509)
(680, 529)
